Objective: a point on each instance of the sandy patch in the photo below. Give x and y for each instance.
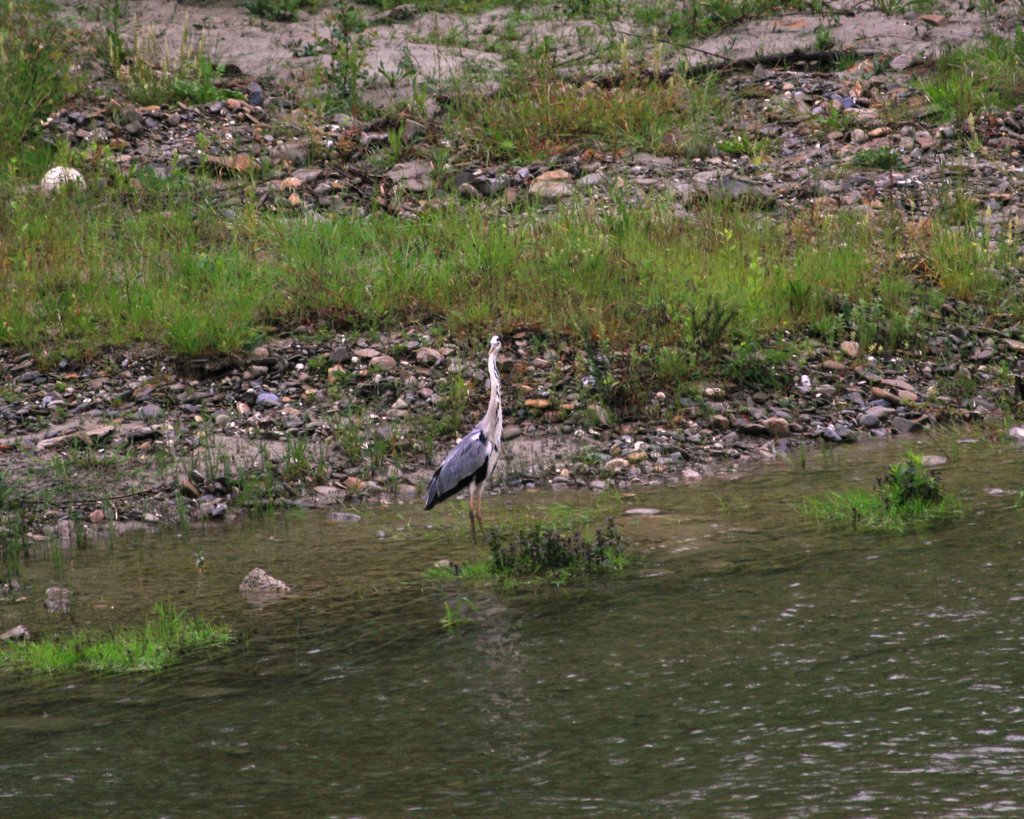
(917, 36)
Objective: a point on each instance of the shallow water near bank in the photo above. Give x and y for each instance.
(750, 663)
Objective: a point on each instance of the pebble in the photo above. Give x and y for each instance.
(17, 634)
(344, 517)
(428, 356)
(383, 362)
(615, 465)
(905, 426)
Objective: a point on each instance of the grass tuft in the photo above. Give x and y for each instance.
(977, 77)
(537, 113)
(907, 496)
(165, 265)
(35, 64)
(147, 648)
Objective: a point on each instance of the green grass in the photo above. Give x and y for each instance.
(147, 648)
(537, 113)
(907, 497)
(865, 510)
(977, 77)
(35, 64)
(666, 20)
(150, 74)
(885, 159)
(166, 265)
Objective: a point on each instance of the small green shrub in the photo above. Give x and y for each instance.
(345, 47)
(757, 148)
(908, 482)
(710, 320)
(547, 552)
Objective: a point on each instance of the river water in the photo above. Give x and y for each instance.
(751, 663)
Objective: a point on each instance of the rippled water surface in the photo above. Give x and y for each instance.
(751, 664)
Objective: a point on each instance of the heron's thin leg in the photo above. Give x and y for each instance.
(472, 515)
(479, 508)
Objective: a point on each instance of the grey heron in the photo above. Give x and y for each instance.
(472, 460)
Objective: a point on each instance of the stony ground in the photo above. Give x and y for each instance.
(135, 440)
(138, 439)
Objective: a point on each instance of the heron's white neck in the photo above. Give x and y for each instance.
(492, 420)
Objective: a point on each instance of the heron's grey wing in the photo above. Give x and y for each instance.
(466, 461)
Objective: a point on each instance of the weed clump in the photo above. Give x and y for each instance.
(547, 552)
(908, 495)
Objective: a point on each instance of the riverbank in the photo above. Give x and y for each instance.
(269, 294)
(133, 441)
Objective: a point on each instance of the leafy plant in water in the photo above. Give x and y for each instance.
(13, 543)
(544, 551)
(457, 615)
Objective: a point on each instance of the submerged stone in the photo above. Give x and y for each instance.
(259, 582)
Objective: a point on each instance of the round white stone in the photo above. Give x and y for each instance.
(59, 176)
